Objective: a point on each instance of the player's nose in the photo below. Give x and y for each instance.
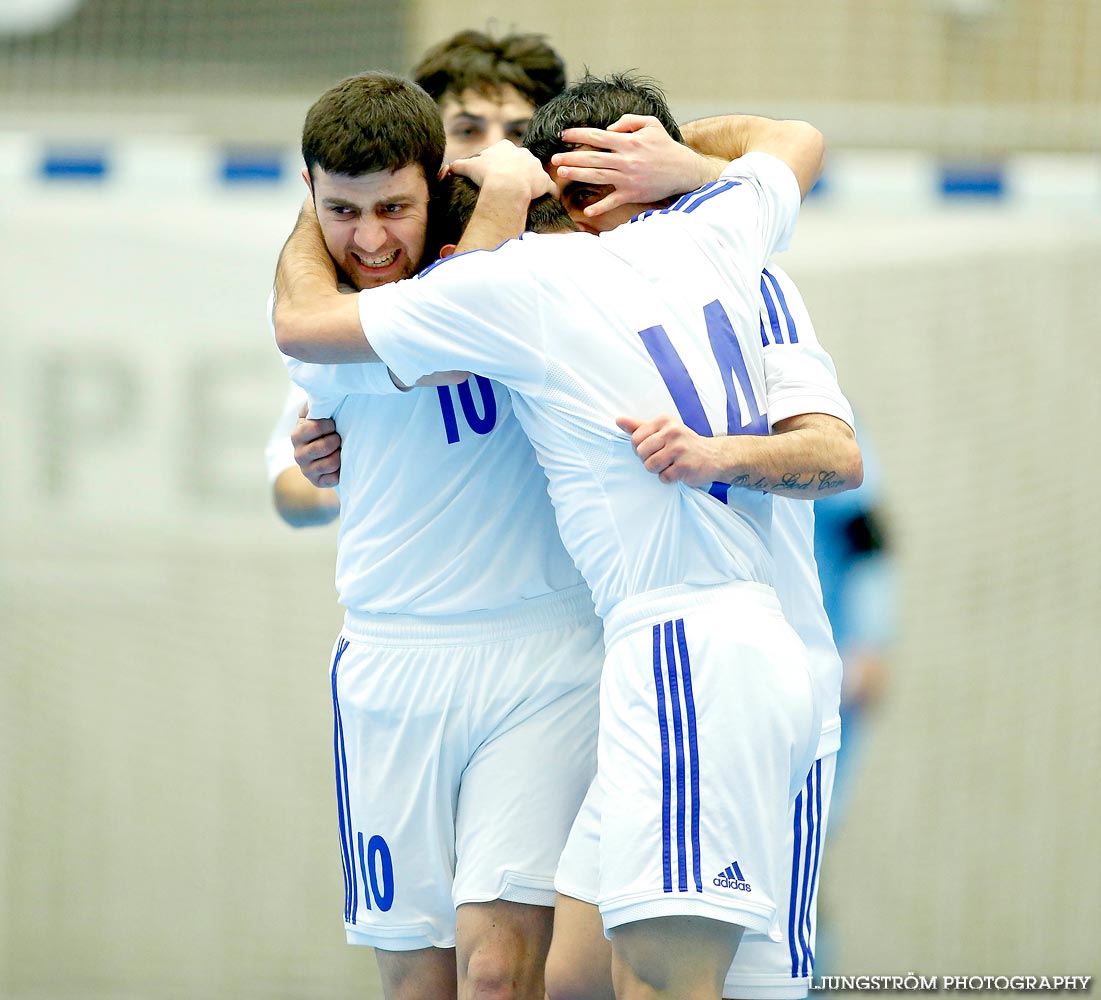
(369, 235)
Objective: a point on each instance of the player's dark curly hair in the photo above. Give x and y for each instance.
(452, 205)
(596, 102)
(472, 60)
(371, 122)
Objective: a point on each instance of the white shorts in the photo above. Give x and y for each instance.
(708, 727)
(463, 748)
(763, 969)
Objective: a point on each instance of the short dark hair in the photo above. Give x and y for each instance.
(452, 205)
(472, 60)
(596, 102)
(372, 122)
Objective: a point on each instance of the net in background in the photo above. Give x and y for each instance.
(187, 58)
(978, 77)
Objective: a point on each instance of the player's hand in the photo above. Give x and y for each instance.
(316, 449)
(635, 155)
(672, 451)
(506, 163)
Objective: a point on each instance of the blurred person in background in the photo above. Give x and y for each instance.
(487, 90)
(465, 678)
(859, 589)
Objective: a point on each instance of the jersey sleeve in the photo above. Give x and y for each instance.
(752, 208)
(800, 376)
(780, 195)
(327, 385)
(477, 312)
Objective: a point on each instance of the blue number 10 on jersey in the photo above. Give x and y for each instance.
(480, 423)
(728, 356)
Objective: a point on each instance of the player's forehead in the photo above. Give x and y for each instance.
(378, 187)
(502, 102)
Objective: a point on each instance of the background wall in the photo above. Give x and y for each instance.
(166, 813)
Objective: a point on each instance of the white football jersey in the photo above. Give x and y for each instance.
(661, 315)
(443, 507)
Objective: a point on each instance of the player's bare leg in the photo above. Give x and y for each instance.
(672, 958)
(424, 974)
(579, 966)
(500, 950)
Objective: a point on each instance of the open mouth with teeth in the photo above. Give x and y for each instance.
(375, 263)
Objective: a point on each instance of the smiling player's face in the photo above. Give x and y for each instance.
(373, 224)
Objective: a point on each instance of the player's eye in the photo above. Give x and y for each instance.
(582, 197)
(516, 134)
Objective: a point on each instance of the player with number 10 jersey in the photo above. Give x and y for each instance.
(469, 650)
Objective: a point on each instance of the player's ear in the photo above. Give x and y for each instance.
(306, 178)
(447, 250)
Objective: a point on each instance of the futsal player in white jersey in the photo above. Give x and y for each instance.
(661, 313)
(594, 180)
(579, 965)
(487, 89)
(464, 680)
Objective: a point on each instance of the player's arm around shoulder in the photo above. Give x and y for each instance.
(797, 143)
(313, 321)
(809, 456)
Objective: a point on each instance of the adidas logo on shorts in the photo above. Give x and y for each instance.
(732, 878)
